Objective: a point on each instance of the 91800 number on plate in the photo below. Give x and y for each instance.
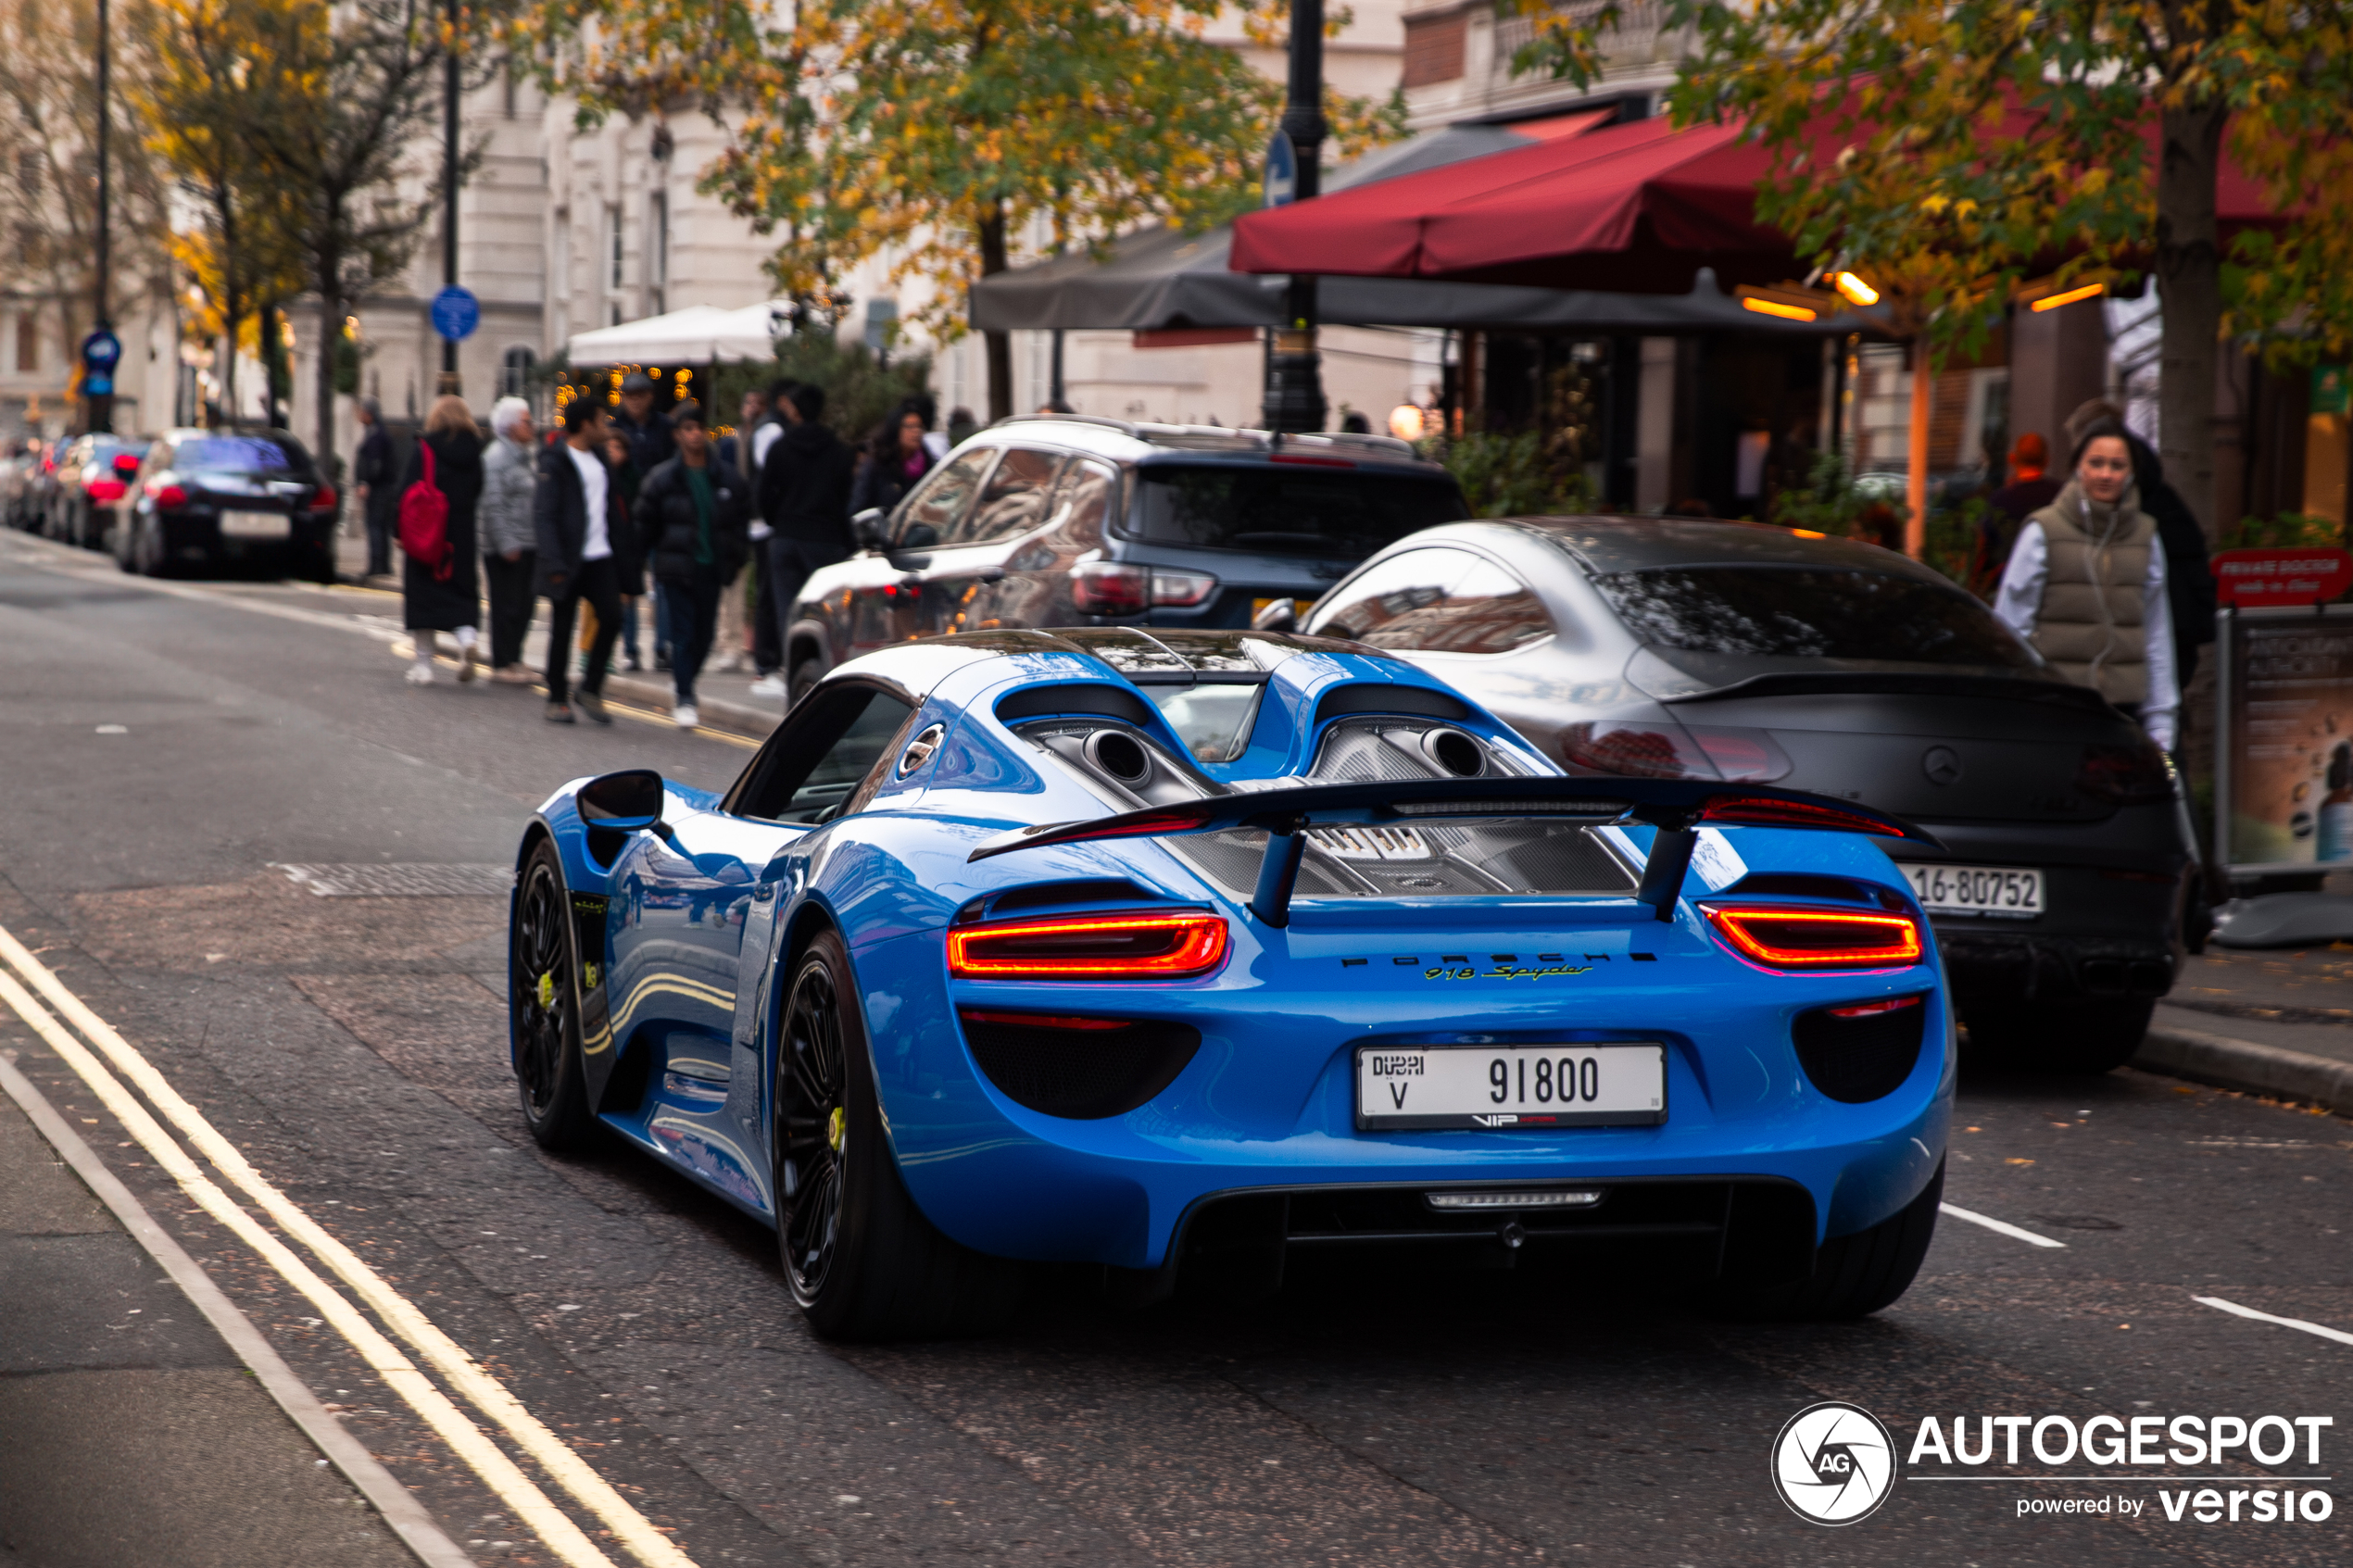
(1401, 1088)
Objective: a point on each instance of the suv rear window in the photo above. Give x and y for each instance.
(1810, 613)
(1343, 514)
(242, 454)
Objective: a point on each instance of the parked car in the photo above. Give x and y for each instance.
(94, 472)
(221, 498)
(1674, 648)
(21, 487)
(1009, 949)
(1063, 521)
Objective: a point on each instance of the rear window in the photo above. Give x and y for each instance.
(242, 454)
(1212, 719)
(1809, 612)
(1343, 514)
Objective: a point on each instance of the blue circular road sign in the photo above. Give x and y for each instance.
(1282, 170)
(456, 313)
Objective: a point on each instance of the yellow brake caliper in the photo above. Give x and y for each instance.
(834, 1121)
(548, 989)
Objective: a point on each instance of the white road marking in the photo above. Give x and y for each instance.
(405, 1515)
(2014, 1232)
(485, 1392)
(2232, 1307)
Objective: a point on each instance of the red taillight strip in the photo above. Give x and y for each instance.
(1199, 946)
(1872, 1009)
(1900, 948)
(1038, 1019)
(1765, 812)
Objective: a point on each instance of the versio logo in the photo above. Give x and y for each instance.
(1833, 1463)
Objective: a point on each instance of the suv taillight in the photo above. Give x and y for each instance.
(168, 498)
(1110, 587)
(2138, 774)
(107, 489)
(1673, 751)
(324, 498)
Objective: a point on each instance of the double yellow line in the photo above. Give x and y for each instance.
(487, 1396)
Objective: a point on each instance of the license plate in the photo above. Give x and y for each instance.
(256, 525)
(2003, 892)
(1511, 1087)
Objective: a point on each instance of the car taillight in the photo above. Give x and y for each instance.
(1758, 811)
(126, 463)
(2138, 774)
(324, 498)
(166, 496)
(1110, 587)
(1113, 947)
(1788, 936)
(1673, 751)
(108, 489)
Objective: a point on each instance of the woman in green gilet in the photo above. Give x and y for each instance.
(2085, 586)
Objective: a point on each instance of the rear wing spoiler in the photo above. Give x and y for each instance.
(1678, 807)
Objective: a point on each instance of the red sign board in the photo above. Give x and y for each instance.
(2305, 576)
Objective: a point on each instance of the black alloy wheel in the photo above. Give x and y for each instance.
(862, 1260)
(813, 1126)
(544, 1004)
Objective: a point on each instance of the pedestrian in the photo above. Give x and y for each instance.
(893, 461)
(576, 515)
(510, 540)
(767, 653)
(372, 477)
(2086, 585)
(628, 570)
(926, 408)
(960, 426)
(2189, 576)
(733, 640)
(445, 596)
(804, 497)
(694, 516)
(644, 428)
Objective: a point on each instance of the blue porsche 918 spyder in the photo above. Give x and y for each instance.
(1184, 953)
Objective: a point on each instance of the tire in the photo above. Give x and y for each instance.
(800, 683)
(543, 1000)
(861, 1260)
(2071, 1037)
(147, 552)
(1853, 1276)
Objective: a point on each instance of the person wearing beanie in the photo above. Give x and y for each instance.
(2086, 587)
(693, 514)
(804, 498)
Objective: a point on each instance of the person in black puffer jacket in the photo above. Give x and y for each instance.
(694, 520)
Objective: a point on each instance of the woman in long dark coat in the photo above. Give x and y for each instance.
(451, 603)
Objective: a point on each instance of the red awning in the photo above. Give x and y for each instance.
(1634, 209)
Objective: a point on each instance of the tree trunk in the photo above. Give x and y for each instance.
(322, 445)
(2190, 291)
(1000, 344)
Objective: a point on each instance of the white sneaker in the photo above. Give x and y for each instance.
(768, 686)
(421, 674)
(685, 716)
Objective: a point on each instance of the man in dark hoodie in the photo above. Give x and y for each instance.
(2189, 582)
(804, 498)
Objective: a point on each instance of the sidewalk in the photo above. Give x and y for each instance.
(2272, 1022)
(131, 1432)
(722, 698)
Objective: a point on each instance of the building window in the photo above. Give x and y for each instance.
(658, 221)
(27, 343)
(1434, 48)
(514, 372)
(508, 86)
(612, 225)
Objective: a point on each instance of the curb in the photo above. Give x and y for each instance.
(2243, 1064)
(740, 719)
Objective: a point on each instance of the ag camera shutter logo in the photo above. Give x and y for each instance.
(1833, 1463)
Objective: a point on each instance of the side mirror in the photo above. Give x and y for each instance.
(1275, 615)
(866, 527)
(917, 536)
(624, 802)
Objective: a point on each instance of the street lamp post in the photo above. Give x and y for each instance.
(99, 412)
(1295, 377)
(450, 380)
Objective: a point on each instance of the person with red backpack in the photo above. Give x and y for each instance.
(439, 588)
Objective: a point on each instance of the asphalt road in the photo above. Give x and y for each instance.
(164, 752)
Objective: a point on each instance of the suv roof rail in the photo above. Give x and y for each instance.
(1190, 434)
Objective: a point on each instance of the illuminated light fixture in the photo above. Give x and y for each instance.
(1856, 291)
(1775, 307)
(1118, 946)
(1809, 534)
(2052, 301)
(1583, 1198)
(1787, 936)
(1405, 422)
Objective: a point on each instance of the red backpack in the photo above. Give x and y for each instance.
(424, 523)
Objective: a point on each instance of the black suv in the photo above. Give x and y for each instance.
(1068, 520)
